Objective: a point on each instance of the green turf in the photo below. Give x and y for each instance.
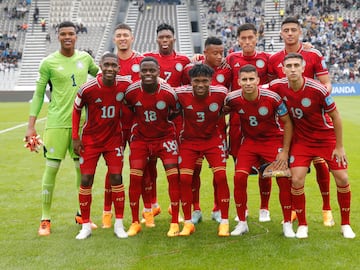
(263, 247)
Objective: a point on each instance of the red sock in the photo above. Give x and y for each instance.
(174, 193)
(284, 184)
(216, 203)
(323, 179)
(136, 177)
(222, 192)
(118, 197)
(240, 194)
(196, 186)
(344, 198)
(298, 198)
(107, 193)
(265, 190)
(85, 199)
(186, 181)
(152, 174)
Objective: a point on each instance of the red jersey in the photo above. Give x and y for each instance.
(258, 118)
(237, 60)
(222, 75)
(103, 109)
(131, 69)
(171, 66)
(200, 115)
(308, 109)
(314, 63)
(151, 111)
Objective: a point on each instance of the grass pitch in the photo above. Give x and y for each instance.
(263, 247)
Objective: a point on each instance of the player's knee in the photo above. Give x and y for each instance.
(87, 180)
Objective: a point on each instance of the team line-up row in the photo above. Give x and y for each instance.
(292, 123)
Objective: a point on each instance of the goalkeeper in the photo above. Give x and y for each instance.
(65, 71)
(262, 141)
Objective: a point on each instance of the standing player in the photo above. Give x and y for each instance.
(317, 132)
(171, 70)
(129, 66)
(201, 108)
(153, 135)
(65, 71)
(315, 68)
(263, 141)
(214, 58)
(247, 39)
(101, 135)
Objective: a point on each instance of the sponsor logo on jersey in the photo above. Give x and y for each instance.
(179, 67)
(213, 107)
(160, 105)
(135, 68)
(260, 63)
(138, 103)
(306, 102)
(220, 78)
(120, 96)
(263, 110)
(237, 65)
(190, 107)
(98, 100)
(241, 111)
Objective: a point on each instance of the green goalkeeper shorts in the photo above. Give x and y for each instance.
(57, 141)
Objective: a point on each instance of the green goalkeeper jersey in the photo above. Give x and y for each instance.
(64, 75)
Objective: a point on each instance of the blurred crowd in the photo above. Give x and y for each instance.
(332, 26)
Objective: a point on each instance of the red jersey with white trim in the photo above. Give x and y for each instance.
(258, 118)
(237, 60)
(151, 111)
(200, 115)
(308, 109)
(103, 108)
(222, 74)
(314, 63)
(130, 68)
(171, 66)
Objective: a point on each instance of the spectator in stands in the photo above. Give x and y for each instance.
(43, 24)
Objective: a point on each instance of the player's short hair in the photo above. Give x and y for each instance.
(213, 41)
(165, 26)
(66, 24)
(290, 20)
(293, 55)
(108, 54)
(248, 68)
(201, 70)
(149, 59)
(123, 26)
(245, 27)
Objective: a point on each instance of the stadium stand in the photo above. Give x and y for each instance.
(155, 14)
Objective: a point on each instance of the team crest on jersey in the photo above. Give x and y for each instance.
(291, 159)
(135, 68)
(213, 107)
(260, 63)
(220, 78)
(160, 105)
(306, 102)
(81, 160)
(263, 110)
(179, 67)
(120, 96)
(80, 65)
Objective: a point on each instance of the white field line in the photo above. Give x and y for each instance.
(19, 126)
